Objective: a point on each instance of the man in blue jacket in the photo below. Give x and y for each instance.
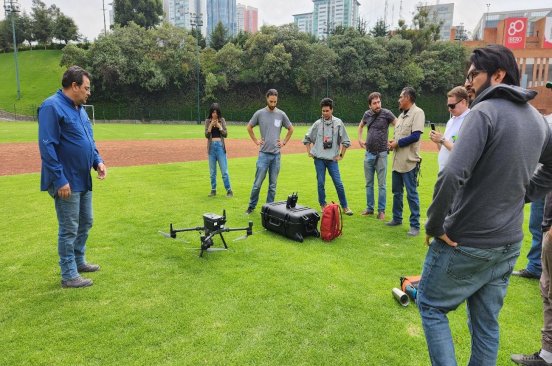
(477, 211)
(68, 152)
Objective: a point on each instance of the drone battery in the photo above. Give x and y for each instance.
(213, 222)
(294, 222)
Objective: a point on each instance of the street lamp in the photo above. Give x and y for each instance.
(11, 7)
(197, 22)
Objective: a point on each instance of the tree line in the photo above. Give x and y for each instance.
(135, 62)
(42, 26)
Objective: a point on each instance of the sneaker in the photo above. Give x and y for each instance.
(413, 232)
(213, 193)
(525, 274)
(381, 215)
(533, 360)
(88, 268)
(76, 282)
(229, 193)
(393, 223)
(367, 212)
(249, 210)
(347, 211)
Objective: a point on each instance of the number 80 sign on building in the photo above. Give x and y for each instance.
(515, 31)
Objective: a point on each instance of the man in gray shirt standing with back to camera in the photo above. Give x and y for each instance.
(270, 120)
(477, 211)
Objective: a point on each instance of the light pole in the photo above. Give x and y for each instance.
(197, 22)
(11, 7)
(488, 5)
(103, 11)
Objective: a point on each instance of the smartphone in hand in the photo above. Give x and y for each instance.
(432, 126)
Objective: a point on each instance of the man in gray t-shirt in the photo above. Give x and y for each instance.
(270, 121)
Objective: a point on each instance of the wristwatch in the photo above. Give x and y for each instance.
(340, 155)
(442, 140)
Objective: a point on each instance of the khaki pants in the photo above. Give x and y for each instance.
(546, 290)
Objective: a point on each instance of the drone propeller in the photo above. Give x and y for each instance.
(168, 236)
(241, 237)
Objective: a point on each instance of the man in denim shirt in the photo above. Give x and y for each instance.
(68, 152)
(270, 121)
(377, 121)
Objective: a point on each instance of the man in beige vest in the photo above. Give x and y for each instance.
(406, 160)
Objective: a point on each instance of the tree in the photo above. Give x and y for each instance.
(145, 13)
(73, 55)
(380, 29)
(196, 33)
(219, 37)
(424, 33)
(443, 65)
(42, 23)
(65, 29)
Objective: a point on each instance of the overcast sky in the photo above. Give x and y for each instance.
(89, 18)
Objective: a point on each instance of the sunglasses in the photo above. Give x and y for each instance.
(452, 106)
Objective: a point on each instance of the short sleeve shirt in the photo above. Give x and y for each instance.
(378, 129)
(270, 124)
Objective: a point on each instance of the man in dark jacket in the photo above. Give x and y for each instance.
(477, 211)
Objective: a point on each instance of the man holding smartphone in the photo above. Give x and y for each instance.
(457, 104)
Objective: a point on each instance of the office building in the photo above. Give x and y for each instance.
(328, 14)
(247, 18)
(442, 14)
(186, 14)
(303, 22)
(223, 11)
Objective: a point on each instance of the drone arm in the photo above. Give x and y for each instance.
(198, 228)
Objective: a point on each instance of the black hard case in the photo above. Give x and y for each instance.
(295, 223)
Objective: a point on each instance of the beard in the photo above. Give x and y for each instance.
(483, 87)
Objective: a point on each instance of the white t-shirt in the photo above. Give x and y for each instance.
(451, 134)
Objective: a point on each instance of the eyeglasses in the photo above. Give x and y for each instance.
(452, 106)
(472, 75)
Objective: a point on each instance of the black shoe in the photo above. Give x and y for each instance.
(213, 193)
(530, 360)
(76, 283)
(393, 223)
(249, 210)
(229, 193)
(88, 268)
(413, 232)
(525, 274)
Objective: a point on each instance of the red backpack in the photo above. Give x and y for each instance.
(331, 225)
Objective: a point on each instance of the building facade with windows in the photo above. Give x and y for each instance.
(223, 11)
(327, 15)
(247, 18)
(442, 14)
(186, 14)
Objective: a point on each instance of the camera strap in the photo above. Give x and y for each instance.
(324, 129)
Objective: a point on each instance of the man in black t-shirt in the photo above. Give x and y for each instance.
(377, 120)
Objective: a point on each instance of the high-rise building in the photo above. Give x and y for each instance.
(303, 22)
(223, 11)
(186, 13)
(247, 18)
(443, 14)
(328, 14)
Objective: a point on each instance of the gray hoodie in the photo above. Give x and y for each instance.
(479, 195)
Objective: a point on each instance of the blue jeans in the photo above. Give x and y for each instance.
(216, 153)
(265, 163)
(375, 164)
(449, 277)
(408, 180)
(75, 219)
(333, 169)
(535, 221)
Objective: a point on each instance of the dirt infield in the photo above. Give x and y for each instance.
(20, 158)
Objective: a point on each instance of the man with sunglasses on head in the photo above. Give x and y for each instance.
(457, 104)
(68, 153)
(476, 215)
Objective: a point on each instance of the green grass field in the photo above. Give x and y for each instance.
(266, 301)
(39, 75)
